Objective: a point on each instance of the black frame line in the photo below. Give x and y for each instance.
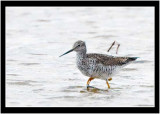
(5, 109)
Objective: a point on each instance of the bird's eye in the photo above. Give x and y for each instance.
(78, 45)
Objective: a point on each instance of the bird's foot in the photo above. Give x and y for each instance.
(88, 86)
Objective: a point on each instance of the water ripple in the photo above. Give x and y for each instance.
(27, 64)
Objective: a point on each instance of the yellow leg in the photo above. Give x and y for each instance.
(108, 84)
(89, 80)
(109, 79)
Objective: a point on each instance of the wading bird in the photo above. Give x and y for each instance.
(95, 65)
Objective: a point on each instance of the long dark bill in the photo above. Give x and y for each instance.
(66, 52)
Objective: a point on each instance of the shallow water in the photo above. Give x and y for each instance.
(36, 36)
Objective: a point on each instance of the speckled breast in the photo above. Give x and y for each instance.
(82, 65)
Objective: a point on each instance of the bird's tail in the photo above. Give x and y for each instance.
(132, 58)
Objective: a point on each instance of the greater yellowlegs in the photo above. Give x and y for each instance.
(100, 66)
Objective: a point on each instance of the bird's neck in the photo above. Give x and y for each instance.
(81, 54)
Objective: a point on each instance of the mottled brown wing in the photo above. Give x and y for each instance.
(110, 60)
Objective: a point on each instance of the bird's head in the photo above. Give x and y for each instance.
(79, 46)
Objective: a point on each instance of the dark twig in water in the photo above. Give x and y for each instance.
(111, 46)
(117, 48)
(114, 44)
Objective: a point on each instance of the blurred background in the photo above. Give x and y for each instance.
(36, 36)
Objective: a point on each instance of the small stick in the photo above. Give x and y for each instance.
(111, 46)
(117, 48)
(114, 44)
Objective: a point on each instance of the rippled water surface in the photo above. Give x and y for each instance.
(36, 76)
